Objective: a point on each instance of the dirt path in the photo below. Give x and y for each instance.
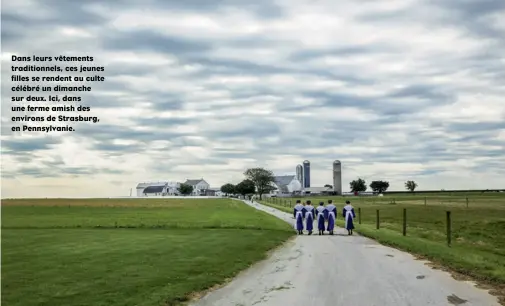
(343, 270)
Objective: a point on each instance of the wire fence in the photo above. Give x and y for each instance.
(475, 221)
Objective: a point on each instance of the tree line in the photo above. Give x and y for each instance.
(258, 181)
(261, 181)
(359, 185)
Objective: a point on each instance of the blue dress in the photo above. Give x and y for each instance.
(332, 214)
(298, 213)
(309, 218)
(349, 215)
(321, 217)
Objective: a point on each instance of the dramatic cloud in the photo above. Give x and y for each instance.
(396, 90)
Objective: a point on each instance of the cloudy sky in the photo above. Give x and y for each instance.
(396, 90)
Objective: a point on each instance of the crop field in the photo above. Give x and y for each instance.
(477, 232)
(128, 251)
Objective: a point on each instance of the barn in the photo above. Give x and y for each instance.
(152, 189)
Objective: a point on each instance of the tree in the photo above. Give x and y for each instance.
(263, 179)
(228, 189)
(410, 186)
(379, 186)
(328, 186)
(185, 189)
(358, 185)
(245, 187)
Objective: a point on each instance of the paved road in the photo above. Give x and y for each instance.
(343, 270)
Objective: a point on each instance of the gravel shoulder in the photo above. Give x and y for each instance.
(342, 270)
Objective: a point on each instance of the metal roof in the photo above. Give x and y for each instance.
(194, 182)
(144, 185)
(153, 189)
(284, 180)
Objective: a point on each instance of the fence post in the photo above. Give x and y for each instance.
(424, 201)
(448, 214)
(359, 215)
(290, 204)
(404, 222)
(466, 202)
(377, 221)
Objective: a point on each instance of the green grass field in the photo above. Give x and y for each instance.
(478, 230)
(128, 252)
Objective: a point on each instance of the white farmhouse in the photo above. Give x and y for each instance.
(200, 186)
(286, 184)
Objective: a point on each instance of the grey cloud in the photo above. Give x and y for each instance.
(469, 16)
(432, 93)
(103, 134)
(476, 126)
(235, 66)
(163, 122)
(47, 172)
(63, 13)
(29, 144)
(36, 172)
(232, 67)
(260, 8)
(151, 41)
(250, 127)
(347, 51)
(110, 147)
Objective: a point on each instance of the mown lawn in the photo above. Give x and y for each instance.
(478, 230)
(65, 253)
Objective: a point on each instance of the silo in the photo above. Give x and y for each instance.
(337, 177)
(299, 173)
(306, 174)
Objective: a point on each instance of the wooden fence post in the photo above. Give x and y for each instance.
(359, 215)
(424, 201)
(466, 202)
(448, 214)
(404, 222)
(377, 219)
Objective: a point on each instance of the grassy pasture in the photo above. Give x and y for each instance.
(128, 252)
(478, 230)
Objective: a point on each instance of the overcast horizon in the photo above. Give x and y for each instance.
(395, 90)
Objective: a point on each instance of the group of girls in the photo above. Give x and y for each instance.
(305, 214)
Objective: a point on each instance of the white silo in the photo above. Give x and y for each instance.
(299, 173)
(337, 177)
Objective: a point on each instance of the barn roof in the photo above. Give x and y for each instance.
(283, 180)
(194, 182)
(144, 185)
(153, 189)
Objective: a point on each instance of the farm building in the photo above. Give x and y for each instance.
(157, 189)
(286, 185)
(317, 190)
(200, 187)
